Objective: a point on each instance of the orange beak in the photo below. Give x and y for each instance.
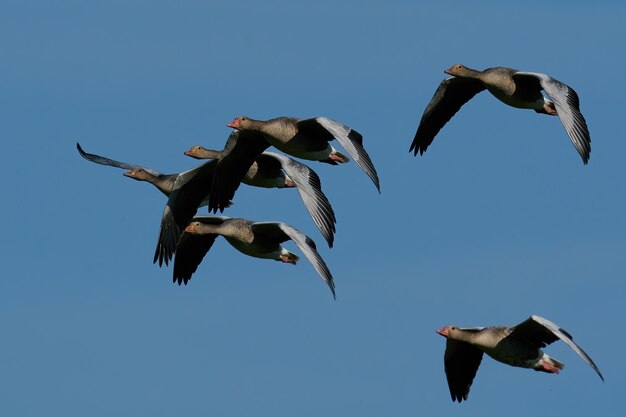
(190, 228)
(234, 124)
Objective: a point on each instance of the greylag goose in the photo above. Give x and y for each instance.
(186, 192)
(302, 138)
(519, 345)
(272, 170)
(260, 240)
(515, 88)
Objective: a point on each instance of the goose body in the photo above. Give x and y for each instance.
(302, 138)
(256, 239)
(516, 88)
(519, 345)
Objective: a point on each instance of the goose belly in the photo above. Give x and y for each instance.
(305, 149)
(258, 180)
(256, 250)
(516, 355)
(514, 100)
(519, 361)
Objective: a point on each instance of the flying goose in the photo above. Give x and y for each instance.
(302, 138)
(257, 239)
(515, 88)
(519, 345)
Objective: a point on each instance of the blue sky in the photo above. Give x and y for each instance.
(497, 221)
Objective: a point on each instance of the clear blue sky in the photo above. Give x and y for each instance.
(499, 219)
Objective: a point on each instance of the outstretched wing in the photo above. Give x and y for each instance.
(191, 250)
(282, 232)
(461, 362)
(451, 95)
(190, 189)
(541, 332)
(349, 139)
(310, 189)
(567, 108)
(241, 148)
(110, 162)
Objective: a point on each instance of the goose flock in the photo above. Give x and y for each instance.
(243, 159)
(186, 237)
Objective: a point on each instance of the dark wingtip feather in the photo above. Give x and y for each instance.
(566, 333)
(82, 152)
(355, 136)
(417, 147)
(414, 146)
(458, 397)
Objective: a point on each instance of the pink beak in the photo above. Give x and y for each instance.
(234, 124)
(447, 72)
(443, 331)
(190, 228)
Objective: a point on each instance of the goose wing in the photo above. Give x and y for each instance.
(192, 248)
(241, 148)
(110, 162)
(461, 361)
(282, 232)
(540, 332)
(349, 139)
(567, 108)
(310, 189)
(189, 191)
(450, 96)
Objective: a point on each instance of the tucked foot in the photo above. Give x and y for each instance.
(289, 258)
(547, 367)
(338, 157)
(549, 108)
